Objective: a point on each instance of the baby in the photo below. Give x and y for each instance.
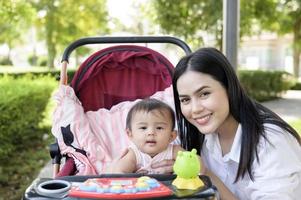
(150, 126)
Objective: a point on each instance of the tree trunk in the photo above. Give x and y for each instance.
(219, 38)
(34, 61)
(51, 55)
(9, 61)
(49, 37)
(296, 62)
(8, 52)
(297, 46)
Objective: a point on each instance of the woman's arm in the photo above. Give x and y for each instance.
(224, 192)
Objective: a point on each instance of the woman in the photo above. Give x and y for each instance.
(248, 151)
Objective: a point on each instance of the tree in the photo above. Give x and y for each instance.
(16, 18)
(188, 18)
(257, 15)
(62, 22)
(289, 13)
(282, 17)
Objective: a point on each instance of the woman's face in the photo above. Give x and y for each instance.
(204, 101)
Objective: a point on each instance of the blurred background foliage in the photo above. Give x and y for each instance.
(59, 22)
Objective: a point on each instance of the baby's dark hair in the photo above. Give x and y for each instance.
(148, 105)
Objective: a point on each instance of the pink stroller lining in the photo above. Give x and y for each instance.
(97, 137)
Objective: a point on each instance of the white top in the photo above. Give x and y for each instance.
(276, 176)
(144, 161)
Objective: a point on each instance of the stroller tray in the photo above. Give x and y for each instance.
(114, 186)
(121, 188)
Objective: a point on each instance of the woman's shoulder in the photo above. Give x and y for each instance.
(279, 158)
(275, 135)
(277, 140)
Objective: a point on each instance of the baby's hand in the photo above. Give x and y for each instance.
(163, 167)
(203, 167)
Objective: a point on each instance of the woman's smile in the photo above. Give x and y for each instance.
(203, 120)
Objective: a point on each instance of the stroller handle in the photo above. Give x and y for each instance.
(132, 39)
(111, 40)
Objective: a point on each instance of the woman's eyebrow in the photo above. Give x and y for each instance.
(197, 91)
(201, 88)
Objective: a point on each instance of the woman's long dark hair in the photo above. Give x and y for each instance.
(250, 114)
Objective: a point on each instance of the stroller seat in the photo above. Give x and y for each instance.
(104, 87)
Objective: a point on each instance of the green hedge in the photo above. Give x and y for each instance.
(297, 86)
(261, 85)
(53, 73)
(22, 104)
(265, 85)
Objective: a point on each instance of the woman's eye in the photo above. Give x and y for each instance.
(142, 127)
(160, 128)
(204, 94)
(184, 100)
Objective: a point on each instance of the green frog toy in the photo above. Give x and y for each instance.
(187, 168)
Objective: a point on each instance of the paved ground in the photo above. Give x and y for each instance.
(288, 107)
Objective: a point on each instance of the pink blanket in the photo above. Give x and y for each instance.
(93, 139)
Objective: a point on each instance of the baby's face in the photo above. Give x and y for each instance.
(152, 131)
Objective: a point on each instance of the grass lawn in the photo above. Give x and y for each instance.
(297, 125)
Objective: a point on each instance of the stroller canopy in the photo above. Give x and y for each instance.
(120, 73)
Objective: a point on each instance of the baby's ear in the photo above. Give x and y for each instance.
(129, 132)
(173, 135)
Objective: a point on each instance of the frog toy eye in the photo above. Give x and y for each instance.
(180, 153)
(193, 151)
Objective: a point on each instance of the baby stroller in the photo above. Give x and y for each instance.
(109, 77)
(141, 70)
